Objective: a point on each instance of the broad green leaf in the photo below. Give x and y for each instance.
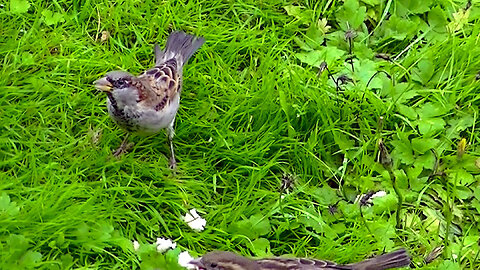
(430, 126)
(332, 54)
(351, 15)
(19, 6)
(253, 227)
(476, 205)
(476, 193)
(402, 150)
(67, 261)
(422, 145)
(459, 124)
(426, 160)
(171, 257)
(385, 204)
(295, 11)
(340, 228)
(260, 224)
(410, 197)
(414, 6)
(325, 195)
(470, 163)
(432, 222)
(315, 58)
(343, 141)
(463, 193)
(312, 58)
(260, 247)
(441, 192)
(448, 265)
(18, 243)
(414, 172)
(27, 59)
(95, 236)
(242, 227)
(407, 111)
(437, 19)
(302, 44)
(314, 37)
(401, 178)
(8, 207)
(400, 93)
(365, 69)
(364, 51)
(417, 183)
(398, 28)
(463, 177)
(432, 109)
(368, 182)
(474, 14)
(329, 232)
(471, 239)
(299, 12)
(384, 231)
(401, 97)
(349, 210)
(372, 2)
(424, 71)
(51, 18)
(311, 222)
(30, 259)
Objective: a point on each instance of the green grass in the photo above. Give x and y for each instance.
(253, 109)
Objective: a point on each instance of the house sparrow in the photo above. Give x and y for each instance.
(148, 102)
(220, 260)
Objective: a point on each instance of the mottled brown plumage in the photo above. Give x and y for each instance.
(221, 260)
(149, 102)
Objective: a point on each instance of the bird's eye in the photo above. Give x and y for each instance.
(213, 265)
(120, 83)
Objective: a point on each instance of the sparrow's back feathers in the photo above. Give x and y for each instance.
(161, 84)
(394, 259)
(299, 264)
(164, 81)
(219, 260)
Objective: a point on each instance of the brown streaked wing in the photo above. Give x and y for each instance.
(230, 266)
(162, 82)
(166, 77)
(299, 264)
(144, 92)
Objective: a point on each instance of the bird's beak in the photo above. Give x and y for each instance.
(103, 85)
(198, 263)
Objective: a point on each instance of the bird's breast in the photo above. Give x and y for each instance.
(144, 120)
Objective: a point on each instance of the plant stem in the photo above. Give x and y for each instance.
(399, 196)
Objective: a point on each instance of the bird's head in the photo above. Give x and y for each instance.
(119, 87)
(222, 260)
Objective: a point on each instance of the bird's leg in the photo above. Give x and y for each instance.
(124, 147)
(170, 134)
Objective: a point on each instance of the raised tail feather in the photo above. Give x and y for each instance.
(179, 45)
(394, 259)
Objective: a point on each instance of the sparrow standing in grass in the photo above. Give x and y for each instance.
(148, 102)
(221, 260)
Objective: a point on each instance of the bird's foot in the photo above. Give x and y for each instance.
(172, 163)
(122, 149)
